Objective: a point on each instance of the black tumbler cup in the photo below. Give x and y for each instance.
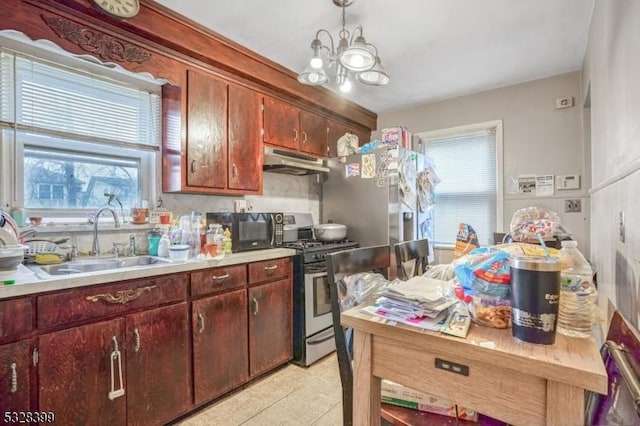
(535, 295)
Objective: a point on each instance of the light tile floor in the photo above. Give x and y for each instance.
(292, 395)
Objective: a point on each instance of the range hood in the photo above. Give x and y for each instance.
(280, 161)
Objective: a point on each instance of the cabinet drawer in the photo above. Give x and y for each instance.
(218, 279)
(111, 299)
(15, 318)
(269, 270)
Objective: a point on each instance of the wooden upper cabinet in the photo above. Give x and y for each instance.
(245, 148)
(335, 131)
(206, 131)
(281, 124)
(313, 130)
(363, 136)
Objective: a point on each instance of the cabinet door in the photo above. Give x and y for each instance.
(206, 131)
(158, 367)
(15, 318)
(245, 147)
(75, 370)
(270, 341)
(220, 351)
(14, 377)
(363, 136)
(281, 124)
(335, 131)
(313, 133)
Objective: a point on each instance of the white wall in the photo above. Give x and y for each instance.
(612, 75)
(538, 138)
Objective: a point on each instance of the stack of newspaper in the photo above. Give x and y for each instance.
(420, 301)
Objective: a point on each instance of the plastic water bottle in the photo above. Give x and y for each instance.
(578, 294)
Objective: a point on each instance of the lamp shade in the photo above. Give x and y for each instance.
(313, 76)
(376, 76)
(357, 57)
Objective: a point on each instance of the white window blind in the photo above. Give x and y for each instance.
(466, 165)
(49, 99)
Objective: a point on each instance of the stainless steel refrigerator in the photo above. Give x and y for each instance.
(379, 196)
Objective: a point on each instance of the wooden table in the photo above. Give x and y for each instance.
(519, 383)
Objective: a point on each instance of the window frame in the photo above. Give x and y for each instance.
(12, 151)
(468, 129)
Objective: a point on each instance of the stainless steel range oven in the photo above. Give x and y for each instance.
(312, 321)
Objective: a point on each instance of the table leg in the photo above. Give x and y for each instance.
(366, 387)
(565, 404)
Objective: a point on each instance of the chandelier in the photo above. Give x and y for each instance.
(353, 58)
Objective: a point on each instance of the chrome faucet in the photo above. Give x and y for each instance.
(96, 245)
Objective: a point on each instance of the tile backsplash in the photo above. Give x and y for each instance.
(281, 193)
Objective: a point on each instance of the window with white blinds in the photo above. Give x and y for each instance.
(44, 98)
(71, 137)
(467, 162)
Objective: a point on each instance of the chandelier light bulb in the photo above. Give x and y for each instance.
(316, 62)
(346, 86)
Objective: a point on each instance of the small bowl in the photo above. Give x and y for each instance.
(35, 220)
(11, 257)
(179, 252)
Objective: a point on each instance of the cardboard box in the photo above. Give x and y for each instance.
(396, 394)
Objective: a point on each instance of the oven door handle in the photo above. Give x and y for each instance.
(321, 337)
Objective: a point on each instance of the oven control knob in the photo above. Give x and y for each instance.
(317, 256)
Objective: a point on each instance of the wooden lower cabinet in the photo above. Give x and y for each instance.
(79, 372)
(158, 365)
(15, 367)
(74, 371)
(220, 351)
(270, 328)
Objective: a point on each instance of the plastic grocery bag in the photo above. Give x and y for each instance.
(484, 271)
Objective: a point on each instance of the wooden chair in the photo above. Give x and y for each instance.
(340, 265)
(416, 254)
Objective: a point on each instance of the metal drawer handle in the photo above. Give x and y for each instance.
(194, 166)
(116, 362)
(234, 171)
(295, 134)
(136, 340)
(200, 322)
(14, 377)
(271, 269)
(220, 277)
(122, 296)
(255, 306)
(304, 137)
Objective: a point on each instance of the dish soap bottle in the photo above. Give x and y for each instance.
(226, 243)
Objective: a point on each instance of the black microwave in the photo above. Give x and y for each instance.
(251, 231)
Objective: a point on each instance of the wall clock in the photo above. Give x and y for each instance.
(119, 8)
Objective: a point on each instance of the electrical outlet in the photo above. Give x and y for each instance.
(566, 102)
(572, 206)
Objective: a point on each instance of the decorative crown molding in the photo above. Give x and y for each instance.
(96, 42)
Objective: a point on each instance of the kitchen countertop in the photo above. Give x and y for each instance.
(27, 282)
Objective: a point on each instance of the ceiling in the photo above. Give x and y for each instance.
(432, 49)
